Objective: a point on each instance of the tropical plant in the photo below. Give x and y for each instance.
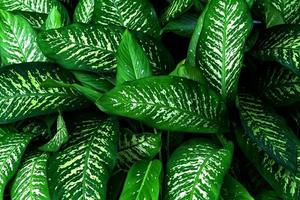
(150, 99)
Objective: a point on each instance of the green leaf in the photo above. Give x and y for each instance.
(275, 12)
(12, 147)
(267, 195)
(167, 103)
(220, 50)
(285, 183)
(280, 86)
(60, 138)
(31, 179)
(196, 170)
(17, 40)
(82, 168)
(234, 190)
(132, 62)
(54, 19)
(281, 44)
(101, 83)
(137, 147)
(93, 48)
(143, 181)
(268, 130)
(84, 11)
(183, 26)
(36, 20)
(137, 15)
(175, 9)
(22, 95)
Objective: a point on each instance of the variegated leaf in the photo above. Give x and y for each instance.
(84, 11)
(234, 190)
(196, 170)
(167, 103)
(137, 147)
(22, 94)
(220, 51)
(175, 9)
(94, 47)
(268, 130)
(12, 147)
(137, 15)
(82, 168)
(54, 19)
(280, 86)
(31, 180)
(143, 181)
(36, 127)
(275, 12)
(17, 40)
(285, 183)
(282, 44)
(35, 11)
(60, 138)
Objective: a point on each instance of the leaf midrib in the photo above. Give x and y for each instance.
(144, 179)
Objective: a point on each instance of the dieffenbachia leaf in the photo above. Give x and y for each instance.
(167, 103)
(281, 44)
(137, 147)
(36, 128)
(54, 19)
(196, 170)
(35, 11)
(183, 26)
(143, 181)
(22, 94)
(132, 62)
(82, 168)
(220, 50)
(31, 179)
(102, 83)
(84, 11)
(267, 195)
(137, 15)
(268, 130)
(275, 12)
(175, 9)
(93, 48)
(60, 138)
(234, 190)
(280, 86)
(17, 40)
(285, 183)
(12, 147)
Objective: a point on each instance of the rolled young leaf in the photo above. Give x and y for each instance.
(18, 40)
(31, 179)
(196, 170)
(132, 62)
(281, 44)
(82, 168)
(220, 50)
(54, 20)
(167, 103)
(143, 181)
(22, 95)
(268, 130)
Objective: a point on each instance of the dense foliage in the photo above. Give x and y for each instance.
(148, 100)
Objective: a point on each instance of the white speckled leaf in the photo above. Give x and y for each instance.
(17, 40)
(196, 170)
(31, 180)
(281, 44)
(285, 183)
(137, 15)
(12, 147)
(175, 9)
(268, 130)
(82, 168)
(143, 181)
(84, 11)
(136, 147)
(167, 103)
(220, 50)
